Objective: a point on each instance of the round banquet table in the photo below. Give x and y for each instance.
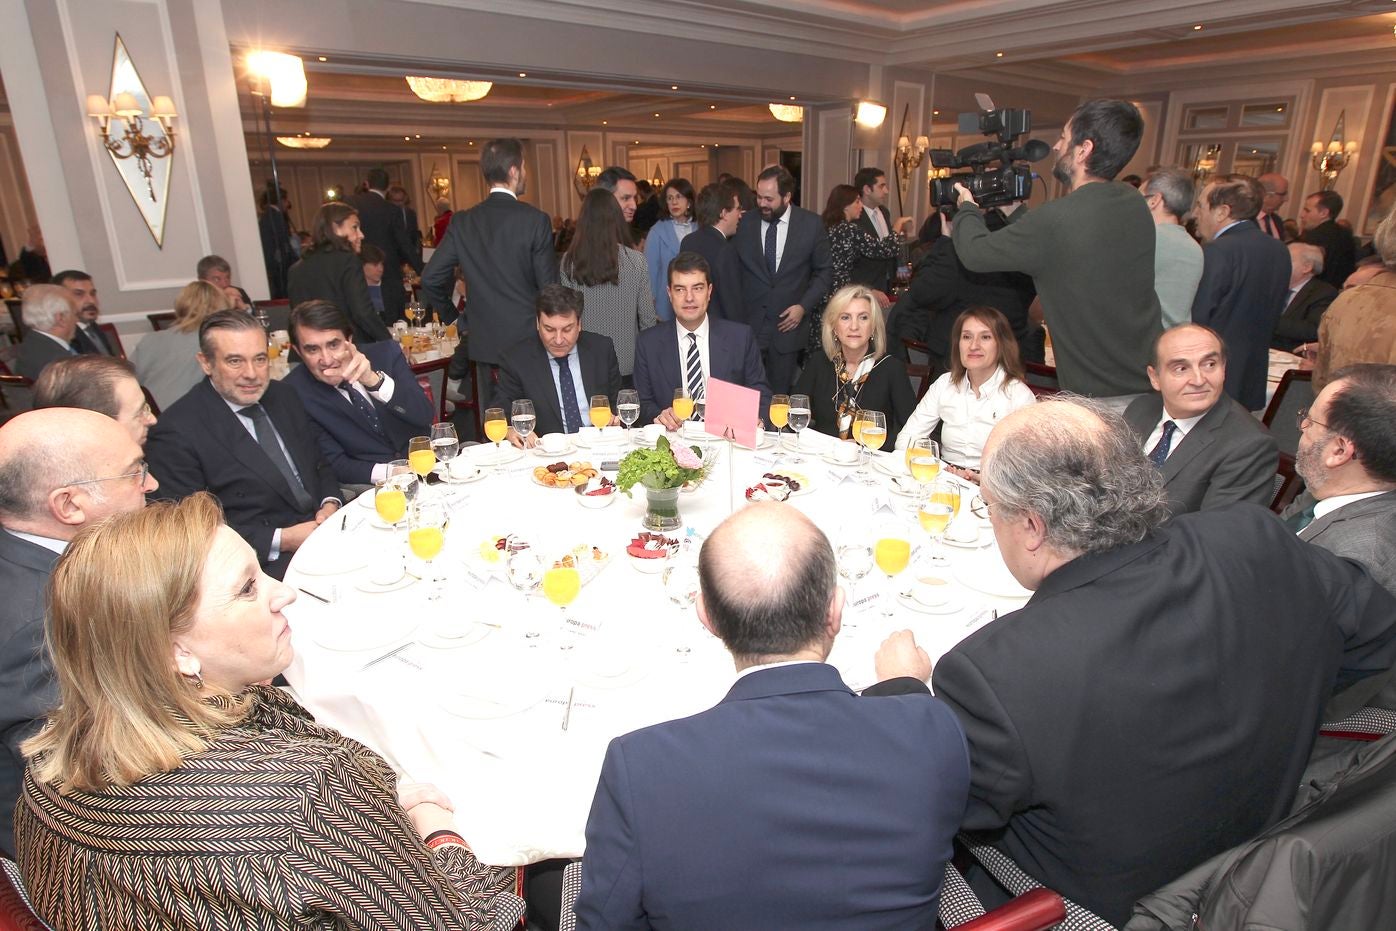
(470, 691)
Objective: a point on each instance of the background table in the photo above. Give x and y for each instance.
(522, 786)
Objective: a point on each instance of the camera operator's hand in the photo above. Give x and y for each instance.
(965, 196)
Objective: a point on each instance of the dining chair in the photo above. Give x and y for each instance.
(109, 329)
(919, 366)
(162, 320)
(434, 384)
(1287, 484)
(1296, 390)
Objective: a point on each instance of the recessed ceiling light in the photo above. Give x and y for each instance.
(323, 58)
(637, 141)
(712, 106)
(419, 135)
(792, 98)
(443, 148)
(406, 138)
(472, 142)
(998, 54)
(935, 113)
(603, 122)
(673, 87)
(1282, 109)
(1197, 28)
(523, 74)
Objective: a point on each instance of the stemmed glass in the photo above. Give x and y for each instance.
(855, 559)
(923, 459)
(421, 455)
(869, 432)
(426, 534)
(683, 404)
(628, 407)
(892, 552)
(780, 415)
(390, 501)
(798, 420)
(600, 410)
(444, 442)
(560, 586)
(496, 429)
(939, 508)
(680, 579)
(400, 474)
(523, 418)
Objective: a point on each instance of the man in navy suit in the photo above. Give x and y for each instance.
(786, 273)
(794, 803)
(1245, 275)
(385, 225)
(718, 211)
(245, 438)
(365, 404)
(693, 347)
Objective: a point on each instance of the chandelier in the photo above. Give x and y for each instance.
(448, 90)
(787, 113)
(304, 142)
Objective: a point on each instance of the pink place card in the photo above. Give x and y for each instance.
(733, 408)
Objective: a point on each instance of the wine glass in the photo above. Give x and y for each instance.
(680, 578)
(421, 455)
(560, 586)
(413, 312)
(938, 509)
(798, 419)
(855, 560)
(426, 534)
(780, 415)
(683, 404)
(628, 407)
(444, 442)
(892, 553)
(869, 432)
(599, 409)
(923, 459)
(390, 501)
(400, 473)
(523, 418)
(496, 428)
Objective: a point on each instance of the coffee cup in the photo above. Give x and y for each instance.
(462, 468)
(553, 442)
(931, 591)
(652, 432)
(588, 436)
(844, 451)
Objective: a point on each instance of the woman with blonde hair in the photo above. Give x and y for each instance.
(165, 360)
(170, 782)
(854, 372)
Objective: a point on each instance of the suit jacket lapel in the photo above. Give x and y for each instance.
(751, 244)
(1198, 439)
(224, 424)
(673, 375)
(1363, 508)
(544, 362)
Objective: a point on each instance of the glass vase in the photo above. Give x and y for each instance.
(662, 509)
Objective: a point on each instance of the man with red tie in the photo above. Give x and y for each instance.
(1276, 193)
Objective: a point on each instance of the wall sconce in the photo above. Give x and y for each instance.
(135, 142)
(1206, 162)
(909, 156)
(1330, 160)
(658, 179)
(584, 178)
(438, 185)
(869, 114)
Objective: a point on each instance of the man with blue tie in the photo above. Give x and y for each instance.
(366, 404)
(559, 369)
(693, 347)
(51, 316)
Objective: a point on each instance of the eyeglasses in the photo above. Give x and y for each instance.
(980, 508)
(140, 474)
(1302, 419)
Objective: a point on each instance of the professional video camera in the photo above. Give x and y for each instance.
(991, 187)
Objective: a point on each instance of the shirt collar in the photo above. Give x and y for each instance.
(1227, 227)
(701, 330)
(501, 189)
(48, 543)
(1184, 424)
(1328, 505)
(789, 662)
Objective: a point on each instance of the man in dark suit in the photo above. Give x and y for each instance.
(876, 220)
(279, 249)
(1308, 298)
(504, 248)
(1208, 449)
(786, 274)
(60, 470)
(384, 225)
(246, 439)
(1318, 219)
(87, 338)
(718, 212)
(558, 367)
(366, 404)
(693, 347)
(803, 805)
(218, 272)
(1127, 724)
(51, 316)
(1244, 277)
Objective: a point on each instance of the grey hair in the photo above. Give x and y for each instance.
(1093, 489)
(1311, 254)
(1175, 187)
(44, 304)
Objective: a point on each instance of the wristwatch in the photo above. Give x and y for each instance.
(381, 378)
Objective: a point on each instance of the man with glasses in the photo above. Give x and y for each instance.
(60, 470)
(105, 384)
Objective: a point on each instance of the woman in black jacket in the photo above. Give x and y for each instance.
(330, 270)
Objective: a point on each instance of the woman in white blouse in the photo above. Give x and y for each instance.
(985, 384)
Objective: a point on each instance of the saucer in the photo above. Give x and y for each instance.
(542, 453)
(951, 606)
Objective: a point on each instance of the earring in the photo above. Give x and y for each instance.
(195, 679)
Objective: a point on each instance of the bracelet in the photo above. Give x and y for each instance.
(442, 838)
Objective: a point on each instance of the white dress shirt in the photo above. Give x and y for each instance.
(782, 228)
(969, 416)
(702, 333)
(59, 340)
(788, 662)
(501, 189)
(1328, 505)
(878, 221)
(1184, 426)
(48, 543)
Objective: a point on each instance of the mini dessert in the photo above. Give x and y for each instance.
(648, 545)
(565, 474)
(768, 490)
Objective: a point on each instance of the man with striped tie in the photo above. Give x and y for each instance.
(693, 347)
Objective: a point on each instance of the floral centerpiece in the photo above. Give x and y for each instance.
(663, 471)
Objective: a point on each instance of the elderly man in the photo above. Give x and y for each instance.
(1308, 298)
(60, 470)
(1177, 256)
(365, 403)
(88, 338)
(1208, 449)
(104, 384)
(246, 439)
(1156, 700)
(51, 316)
(793, 803)
(216, 271)
(1242, 290)
(1276, 189)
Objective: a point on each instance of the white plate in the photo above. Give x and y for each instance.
(450, 479)
(346, 635)
(827, 457)
(890, 464)
(598, 679)
(953, 606)
(982, 539)
(487, 455)
(806, 483)
(473, 633)
(373, 588)
(602, 441)
(906, 486)
(520, 695)
(563, 453)
(988, 574)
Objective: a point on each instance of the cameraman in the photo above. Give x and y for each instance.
(1091, 254)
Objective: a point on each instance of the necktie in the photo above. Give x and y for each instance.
(1271, 226)
(1160, 451)
(571, 413)
(1301, 519)
(694, 367)
(880, 224)
(266, 438)
(771, 246)
(364, 407)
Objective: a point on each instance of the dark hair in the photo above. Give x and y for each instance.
(612, 176)
(231, 320)
(70, 274)
(1132, 180)
(644, 187)
(685, 189)
(777, 620)
(785, 181)
(212, 263)
(593, 255)
(839, 198)
(317, 315)
(322, 233)
(369, 254)
(866, 178)
(1242, 193)
(1009, 356)
(377, 179)
(269, 194)
(1364, 411)
(1158, 340)
(498, 156)
(87, 381)
(746, 197)
(1331, 201)
(686, 262)
(1114, 127)
(558, 300)
(707, 209)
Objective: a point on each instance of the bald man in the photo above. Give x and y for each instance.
(1126, 724)
(794, 803)
(60, 470)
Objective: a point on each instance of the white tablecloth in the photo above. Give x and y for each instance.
(522, 786)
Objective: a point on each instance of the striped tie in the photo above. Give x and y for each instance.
(695, 369)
